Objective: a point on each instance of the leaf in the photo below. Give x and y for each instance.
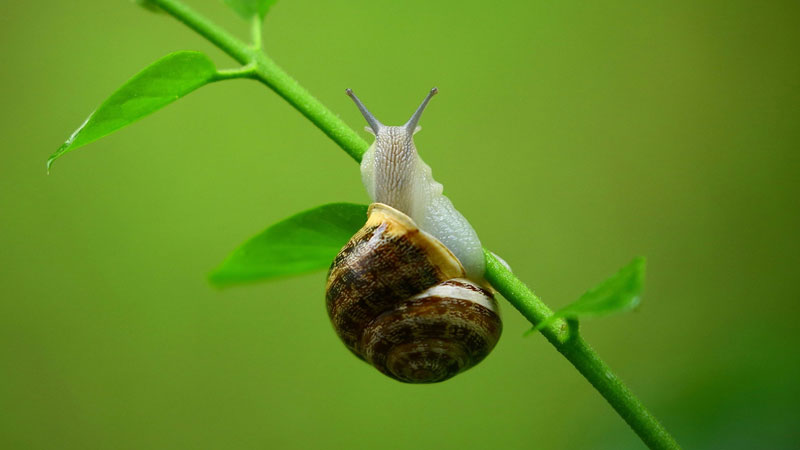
(160, 84)
(619, 293)
(249, 8)
(148, 5)
(302, 243)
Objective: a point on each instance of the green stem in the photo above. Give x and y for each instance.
(209, 30)
(255, 32)
(563, 335)
(273, 76)
(284, 85)
(248, 71)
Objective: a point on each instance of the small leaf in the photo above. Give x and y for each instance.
(249, 8)
(619, 293)
(160, 84)
(302, 243)
(148, 5)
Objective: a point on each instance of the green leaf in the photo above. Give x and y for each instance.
(249, 8)
(160, 84)
(619, 293)
(302, 243)
(148, 5)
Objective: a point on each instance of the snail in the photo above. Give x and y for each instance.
(406, 293)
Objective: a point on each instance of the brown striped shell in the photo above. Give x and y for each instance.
(398, 299)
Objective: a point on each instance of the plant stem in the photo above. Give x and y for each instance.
(273, 76)
(209, 30)
(248, 71)
(284, 85)
(563, 335)
(255, 32)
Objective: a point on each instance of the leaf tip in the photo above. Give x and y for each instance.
(148, 5)
(217, 278)
(50, 162)
(55, 156)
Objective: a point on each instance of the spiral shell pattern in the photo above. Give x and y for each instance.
(398, 299)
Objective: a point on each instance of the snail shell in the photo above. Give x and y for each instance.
(399, 299)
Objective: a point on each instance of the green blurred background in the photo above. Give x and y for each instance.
(573, 135)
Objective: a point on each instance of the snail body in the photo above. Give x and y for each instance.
(394, 174)
(406, 293)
